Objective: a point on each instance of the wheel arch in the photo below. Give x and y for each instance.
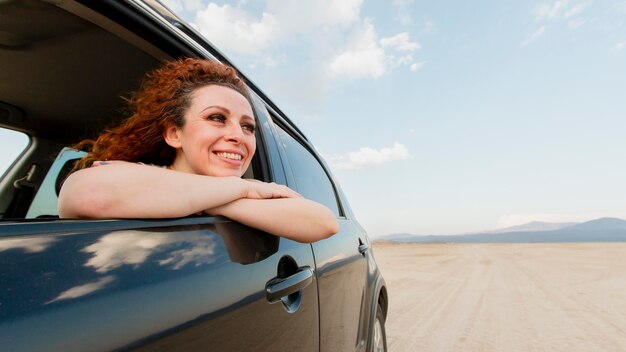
(380, 299)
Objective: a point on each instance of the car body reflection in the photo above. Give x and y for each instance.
(28, 244)
(134, 247)
(85, 289)
(81, 265)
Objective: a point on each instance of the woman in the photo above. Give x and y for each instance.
(189, 139)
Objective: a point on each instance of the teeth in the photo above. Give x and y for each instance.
(229, 156)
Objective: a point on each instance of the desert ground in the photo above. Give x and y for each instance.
(505, 297)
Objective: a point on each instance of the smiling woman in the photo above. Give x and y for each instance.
(218, 134)
(194, 119)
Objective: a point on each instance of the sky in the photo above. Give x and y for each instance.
(445, 117)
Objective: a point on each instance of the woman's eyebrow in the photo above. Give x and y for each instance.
(227, 111)
(216, 107)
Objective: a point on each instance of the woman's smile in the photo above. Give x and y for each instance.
(231, 159)
(231, 156)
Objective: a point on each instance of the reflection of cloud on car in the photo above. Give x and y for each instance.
(134, 247)
(85, 289)
(30, 245)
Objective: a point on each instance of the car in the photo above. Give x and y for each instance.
(182, 284)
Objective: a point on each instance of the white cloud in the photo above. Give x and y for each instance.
(175, 5)
(179, 6)
(549, 11)
(281, 22)
(577, 9)
(534, 36)
(401, 42)
(362, 62)
(301, 16)
(575, 23)
(365, 58)
(559, 12)
(405, 60)
(416, 66)
(401, 3)
(294, 43)
(369, 57)
(366, 157)
(620, 45)
(193, 5)
(233, 29)
(405, 18)
(403, 12)
(316, 29)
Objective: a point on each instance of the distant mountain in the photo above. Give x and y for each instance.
(601, 224)
(534, 226)
(599, 230)
(400, 237)
(409, 238)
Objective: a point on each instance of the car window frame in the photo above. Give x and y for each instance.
(279, 122)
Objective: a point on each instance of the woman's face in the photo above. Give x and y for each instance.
(217, 138)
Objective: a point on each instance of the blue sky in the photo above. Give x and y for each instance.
(449, 116)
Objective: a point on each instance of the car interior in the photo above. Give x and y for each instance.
(63, 80)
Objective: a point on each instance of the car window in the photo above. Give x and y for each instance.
(311, 178)
(45, 201)
(12, 145)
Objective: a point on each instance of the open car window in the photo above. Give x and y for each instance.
(12, 145)
(44, 203)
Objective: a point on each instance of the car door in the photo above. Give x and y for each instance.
(344, 279)
(197, 283)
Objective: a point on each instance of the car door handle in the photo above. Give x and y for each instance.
(363, 247)
(277, 288)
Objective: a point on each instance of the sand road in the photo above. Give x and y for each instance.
(505, 297)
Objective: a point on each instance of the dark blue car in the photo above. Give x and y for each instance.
(194, 283)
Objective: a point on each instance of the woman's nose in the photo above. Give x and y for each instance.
(234, 133)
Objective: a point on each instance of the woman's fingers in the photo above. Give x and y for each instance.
(264, 190)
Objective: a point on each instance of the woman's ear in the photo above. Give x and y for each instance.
(171, 134)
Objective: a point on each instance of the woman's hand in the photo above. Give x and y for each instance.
(279, 210)
(298, 219)
(256, 189)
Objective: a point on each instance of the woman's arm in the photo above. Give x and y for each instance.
(298, 219)
(127, 190)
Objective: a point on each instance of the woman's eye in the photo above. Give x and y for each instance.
(217, 118)
(248, 127)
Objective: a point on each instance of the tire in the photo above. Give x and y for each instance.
(378, 337)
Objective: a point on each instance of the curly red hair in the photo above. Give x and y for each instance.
(163, 98)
